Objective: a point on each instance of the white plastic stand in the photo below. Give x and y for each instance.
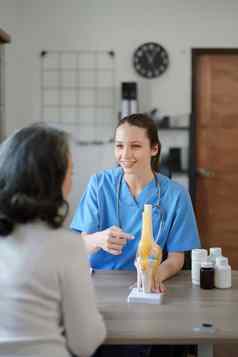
(138, 296)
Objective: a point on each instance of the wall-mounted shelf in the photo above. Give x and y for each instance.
(174, 133)
(175, 128)
(180, 173)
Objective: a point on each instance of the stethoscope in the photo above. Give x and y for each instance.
(161, 213)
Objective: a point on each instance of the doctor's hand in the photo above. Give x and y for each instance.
(157, 285)
(113, 239)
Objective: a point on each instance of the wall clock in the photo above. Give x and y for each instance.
(150, 60)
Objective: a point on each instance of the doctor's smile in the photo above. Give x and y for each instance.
(127, 164)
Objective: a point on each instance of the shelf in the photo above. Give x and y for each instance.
(77, 106)
(76, 69)
(44, 88)
(180, 173)
(174, 128)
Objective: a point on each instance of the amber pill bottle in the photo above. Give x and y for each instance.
(207, 275)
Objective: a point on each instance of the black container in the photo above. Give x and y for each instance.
(207, 276)
(175, 159)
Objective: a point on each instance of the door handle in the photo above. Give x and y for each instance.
(205, 172)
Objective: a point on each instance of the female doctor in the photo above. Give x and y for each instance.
(109, 214)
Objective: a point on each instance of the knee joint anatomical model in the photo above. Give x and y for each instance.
(149, 253)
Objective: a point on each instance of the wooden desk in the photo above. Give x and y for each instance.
(185, 307)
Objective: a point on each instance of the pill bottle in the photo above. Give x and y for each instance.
(222, 273)
(197, 257)
(214, 253)
(207, 275)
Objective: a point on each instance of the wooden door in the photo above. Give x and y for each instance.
(215, 89)
(215, 148)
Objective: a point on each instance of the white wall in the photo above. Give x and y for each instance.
(108, 24)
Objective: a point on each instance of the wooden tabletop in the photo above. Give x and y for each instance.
(184, 309)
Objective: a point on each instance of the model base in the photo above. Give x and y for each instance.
(137, 296)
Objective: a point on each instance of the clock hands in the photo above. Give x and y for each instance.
(155, 52)
(151, 55)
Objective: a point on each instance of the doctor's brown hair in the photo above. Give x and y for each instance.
(144, 121)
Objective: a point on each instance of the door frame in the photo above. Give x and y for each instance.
(195, 53)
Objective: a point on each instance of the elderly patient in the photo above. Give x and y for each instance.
(47, 303)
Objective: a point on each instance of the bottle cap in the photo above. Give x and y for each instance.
(199, 254)
(211, 259)
(222, 261)
(215, 251)
(206, 264)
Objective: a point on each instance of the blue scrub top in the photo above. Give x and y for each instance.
(97, 211)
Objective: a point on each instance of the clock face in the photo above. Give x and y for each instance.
(150, 60)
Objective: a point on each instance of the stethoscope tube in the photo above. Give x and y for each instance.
(157, 184)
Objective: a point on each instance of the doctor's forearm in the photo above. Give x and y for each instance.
(172, 265)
